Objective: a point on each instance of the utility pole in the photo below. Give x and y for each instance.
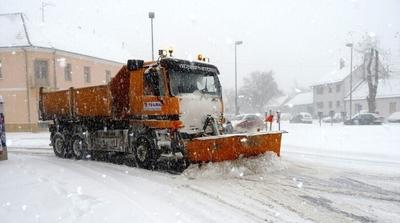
(236, 92)
(351, 76)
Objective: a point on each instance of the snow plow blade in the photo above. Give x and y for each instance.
(232, 146)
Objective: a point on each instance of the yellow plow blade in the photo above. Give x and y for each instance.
(232, 146)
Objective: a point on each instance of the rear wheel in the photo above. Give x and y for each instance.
(145, 152)
(79, 148)
(60, 146)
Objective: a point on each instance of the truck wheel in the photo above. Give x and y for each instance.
(59, 145)
(79, 147)
(145, 154)
(180, 165)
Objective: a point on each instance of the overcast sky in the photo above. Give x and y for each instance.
(301, 41)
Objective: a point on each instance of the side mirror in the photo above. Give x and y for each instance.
(134, 64)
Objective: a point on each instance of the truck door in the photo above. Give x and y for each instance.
(153, 91)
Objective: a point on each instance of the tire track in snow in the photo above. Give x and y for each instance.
(217, 198)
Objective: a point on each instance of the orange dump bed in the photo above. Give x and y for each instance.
(83, 102)
(93, 101)
(56, 103)
(232, 146)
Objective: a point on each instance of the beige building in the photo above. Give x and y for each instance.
(25, 67)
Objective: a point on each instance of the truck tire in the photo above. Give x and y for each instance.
(180, 165)
(145, 153)
(60, 146)
(79, 147)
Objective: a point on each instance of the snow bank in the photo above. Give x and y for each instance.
(260, 165)
(28, 140)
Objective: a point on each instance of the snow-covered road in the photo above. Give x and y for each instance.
(358, 180)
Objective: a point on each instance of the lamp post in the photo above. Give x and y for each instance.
(236, 96)
(351, 76)
(151, 16)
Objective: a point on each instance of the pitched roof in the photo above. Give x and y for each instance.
(387, 88)
(304, 98)
(14, 31)
(334, 76)
(277, 101)
(22, 32)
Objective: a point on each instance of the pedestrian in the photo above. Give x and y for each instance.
(269, 118)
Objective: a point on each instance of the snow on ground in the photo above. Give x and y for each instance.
(325, 174)
(28, 140)
(351, 146)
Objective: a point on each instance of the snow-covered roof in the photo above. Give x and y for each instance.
(62, 37)
(334, 76)
(277, 101)
(387, 88)
(13, 33)
(301, 99)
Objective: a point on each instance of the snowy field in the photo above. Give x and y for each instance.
(325, 174)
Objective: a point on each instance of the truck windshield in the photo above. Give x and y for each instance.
(190, 82)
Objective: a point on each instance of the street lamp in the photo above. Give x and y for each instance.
(151, 16)
(351, 76)
(236, 96)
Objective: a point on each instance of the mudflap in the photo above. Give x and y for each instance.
(232, 146)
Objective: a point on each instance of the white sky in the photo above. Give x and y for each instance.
(300, 40)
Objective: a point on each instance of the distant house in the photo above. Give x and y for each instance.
(276, 103)
(387, 97)
(302, 102)
(33, 56)
(330, 92)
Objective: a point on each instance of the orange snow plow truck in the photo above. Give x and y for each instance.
(169, 109)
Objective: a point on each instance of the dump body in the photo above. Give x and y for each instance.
(147, 111)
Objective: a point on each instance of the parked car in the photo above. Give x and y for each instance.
(365, 119)
(302, 117)
(394, 117)
(335, 119)
(247, 122)
(286, 117)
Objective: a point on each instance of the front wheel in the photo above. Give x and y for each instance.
(145, 153)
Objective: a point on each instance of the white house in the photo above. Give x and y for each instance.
(387, 96)
(330, 92)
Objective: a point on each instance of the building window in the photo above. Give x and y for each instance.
(86, 74)
(68, 72)
(330, 104)
(337, 104)
(330, 89)
(41, 69)
(1, 74)
(320, 90)
(320, 104)
(392, 107)
(41, 72)
(338, 87)
(108, 76)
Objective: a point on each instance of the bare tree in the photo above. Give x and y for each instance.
(258, 89)
(369, 47)
(372, 79)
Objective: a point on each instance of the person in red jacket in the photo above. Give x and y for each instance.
(269, 118)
